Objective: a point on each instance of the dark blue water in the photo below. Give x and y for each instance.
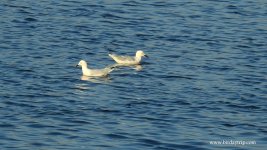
(205, 80)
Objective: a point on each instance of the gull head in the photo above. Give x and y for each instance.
(140, 53)
(82, 63)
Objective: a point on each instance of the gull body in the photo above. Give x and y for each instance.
(94, 72)
(129, 60)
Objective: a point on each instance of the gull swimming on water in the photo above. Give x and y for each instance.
(94, 72)
(129, 60)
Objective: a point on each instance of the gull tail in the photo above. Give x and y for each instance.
(111, 55)
(110, 69)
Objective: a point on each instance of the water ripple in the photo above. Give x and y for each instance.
(205, 79)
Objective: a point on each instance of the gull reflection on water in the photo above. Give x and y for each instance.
(135, 67)
(82, 87)
(138, 67)
(96, 79)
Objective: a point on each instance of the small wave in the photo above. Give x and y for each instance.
(6, 125)
(116, 136)
(151, 142)
(110, 16)
(30, 19)
(245, 107)
(107, 110)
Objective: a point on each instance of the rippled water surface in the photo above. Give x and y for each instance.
(205, 80)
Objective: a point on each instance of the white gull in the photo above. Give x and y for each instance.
(94, 72)
(129, 60)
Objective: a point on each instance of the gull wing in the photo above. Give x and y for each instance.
(119, 58)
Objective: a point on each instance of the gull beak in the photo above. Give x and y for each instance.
(77, 65)
(146, 56)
